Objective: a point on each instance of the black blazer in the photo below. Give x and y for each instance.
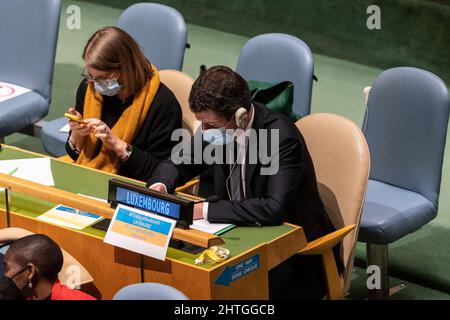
(291, 195)
(153, 142)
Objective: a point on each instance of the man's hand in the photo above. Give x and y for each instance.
(198, 211)
(159, 187)
(198, 207)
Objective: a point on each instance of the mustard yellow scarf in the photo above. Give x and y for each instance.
(126, 128)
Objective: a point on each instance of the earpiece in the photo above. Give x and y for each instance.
(241, 116)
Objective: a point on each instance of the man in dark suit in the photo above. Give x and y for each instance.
(2, 267)
(258, 192)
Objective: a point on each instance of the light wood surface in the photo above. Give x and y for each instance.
(254, 285)
(327, 242)
(334, 285)
(55, 195)
(323, 246)
(59, 196)
(113, 268)
(282, 248)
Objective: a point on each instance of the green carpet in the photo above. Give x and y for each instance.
(413, 32)
(422, 258)
(410, 291)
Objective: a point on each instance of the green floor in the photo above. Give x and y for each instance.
(422, 258)
(410, 291)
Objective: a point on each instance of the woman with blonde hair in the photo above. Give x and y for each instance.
(129, 116)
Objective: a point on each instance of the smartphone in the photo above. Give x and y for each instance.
(73, 117)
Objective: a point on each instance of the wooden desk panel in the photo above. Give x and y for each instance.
(253, 286)
(112, 268)
(198, 283)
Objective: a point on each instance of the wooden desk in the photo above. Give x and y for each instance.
(254, 251)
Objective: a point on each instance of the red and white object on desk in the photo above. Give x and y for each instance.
(9, 91)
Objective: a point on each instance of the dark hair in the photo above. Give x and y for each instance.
(221, 90)
(41, 251)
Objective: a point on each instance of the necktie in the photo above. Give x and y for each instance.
(236, 190)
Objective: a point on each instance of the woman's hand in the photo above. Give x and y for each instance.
(79, 131)
(103, 132)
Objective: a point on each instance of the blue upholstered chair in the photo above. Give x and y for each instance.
(159, 30)
(54, 141)
(405, 127)
(28, 32)
(277, 57)
(161, 33)
(149, 291)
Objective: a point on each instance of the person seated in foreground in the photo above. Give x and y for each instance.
(32, 264)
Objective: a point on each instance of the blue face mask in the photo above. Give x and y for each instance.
(107, 87)
(217, 136)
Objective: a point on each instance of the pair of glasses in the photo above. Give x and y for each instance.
(90, 78)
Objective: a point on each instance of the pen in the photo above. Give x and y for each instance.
(13, 171)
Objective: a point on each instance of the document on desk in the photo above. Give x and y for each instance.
(140, 231)
(36, 170)
(65, 129)
(69, 217)
(9, 91)
(212, 228)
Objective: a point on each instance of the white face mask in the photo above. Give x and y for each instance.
(107, 87)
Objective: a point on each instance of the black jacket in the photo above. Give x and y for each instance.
(153, 142)
(291, 195)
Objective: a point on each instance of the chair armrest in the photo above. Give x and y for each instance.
(327, 242)
(366, 92)
(188, 185)
(11, 234)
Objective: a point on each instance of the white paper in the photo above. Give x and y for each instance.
(36, 170)
(65, 129)
(206, 226)
(9, 91)
(70, 218)
(136, 235)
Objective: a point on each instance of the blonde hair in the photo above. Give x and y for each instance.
(112, 49)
